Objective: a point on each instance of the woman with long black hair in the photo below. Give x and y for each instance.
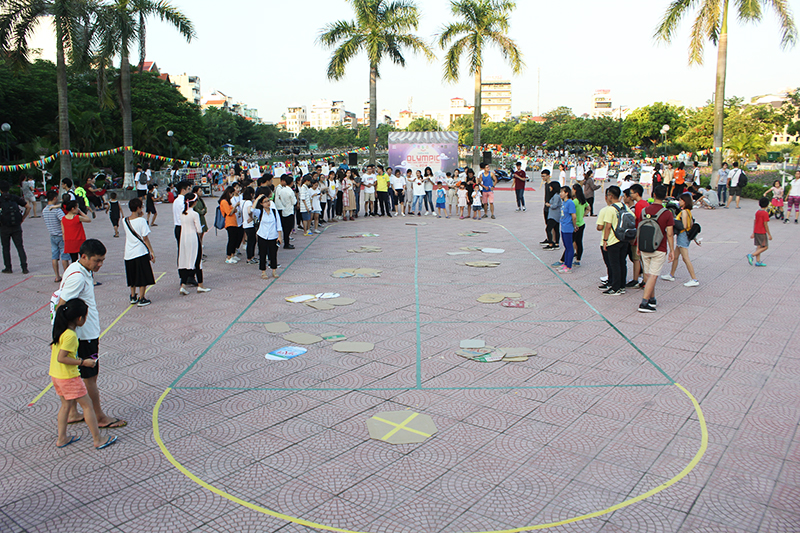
(190, 251)
(231, 224)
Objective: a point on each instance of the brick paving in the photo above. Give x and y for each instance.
(592, 421)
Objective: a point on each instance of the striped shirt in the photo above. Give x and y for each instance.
(52, 219)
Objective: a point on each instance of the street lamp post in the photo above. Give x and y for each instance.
(6, 127)
(170, 133)
(664, 130)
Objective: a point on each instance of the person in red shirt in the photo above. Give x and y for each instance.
(653, 262)
(520, 178)
(760, 233)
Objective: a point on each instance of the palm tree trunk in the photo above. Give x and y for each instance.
(65, 160)
(476, 122)
(719, 94)
(127, 123)
(373, 111)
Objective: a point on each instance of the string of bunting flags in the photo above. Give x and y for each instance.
(659, 159)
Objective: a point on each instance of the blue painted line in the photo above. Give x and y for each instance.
(240, 315)
(419, 323)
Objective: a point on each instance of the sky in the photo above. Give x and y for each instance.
(264, 53)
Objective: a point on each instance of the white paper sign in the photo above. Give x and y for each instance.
(601, 174)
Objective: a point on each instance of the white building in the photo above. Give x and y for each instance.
(189, 87)
(296, 115)
(327, 114)
(601, 105)
(496, 98)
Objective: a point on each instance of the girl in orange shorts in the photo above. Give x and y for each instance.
(67, 381)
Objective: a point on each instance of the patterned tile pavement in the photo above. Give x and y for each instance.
(243, 444)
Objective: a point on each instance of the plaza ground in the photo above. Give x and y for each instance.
(220, 439)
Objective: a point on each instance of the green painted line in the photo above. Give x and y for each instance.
(630, 342)
(416, 293)
(423, 388)
(240, 315)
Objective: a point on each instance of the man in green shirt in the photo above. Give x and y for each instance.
(382, 188)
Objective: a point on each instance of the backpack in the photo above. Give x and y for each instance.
(56, 297)
(742, 180)
(649, 234)
(693, 231)
(626, 224)
(142, 179)
(9, 212)
(219, 219)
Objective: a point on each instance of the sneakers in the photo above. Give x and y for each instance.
(646, 308)
(133, 300)
(695, 283)
(604, 286)
(7, 271)
(631, 284)
(612, 292)
(564, 270)
(203, 289)
(667, 277)
(524, 209)
(750, 259)
(492, 216)
(557, 264)
(426, 213)
(518, 210)
(317, 231)
(184, 292)
(544, 243)
(760, 264)
(231, 261)
(576, 263)
(604, 279)
(652, 302)
(252, 261)
(143, 302)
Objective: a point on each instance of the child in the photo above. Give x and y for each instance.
(64, 373)
(777, 199)
(476, 202)
(441, 199)
(113, 212)
(72, 229)
(150, 209)
(316, 206)
(761, 233)
(462, 200)
(52, 215)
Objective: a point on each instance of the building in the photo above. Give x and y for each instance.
(217, 99)
(776, 100)
(496, 98)
(601, 105)
(189, 87)
(350, 120)
(296, 115)
(327, 114)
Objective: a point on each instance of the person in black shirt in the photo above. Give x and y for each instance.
(11, 227)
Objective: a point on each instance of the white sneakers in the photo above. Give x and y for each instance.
(203, 289)
(667, 277)
(184, 292)
(690, 283)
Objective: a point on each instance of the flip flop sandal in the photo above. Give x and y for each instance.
(76, 421)
(71, 440)
(106, 444)
(111, 425)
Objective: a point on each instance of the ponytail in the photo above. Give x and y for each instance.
(189, 198)
(67, 314)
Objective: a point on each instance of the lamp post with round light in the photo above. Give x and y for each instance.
(170, 133)
(6, 127)
(664, 130)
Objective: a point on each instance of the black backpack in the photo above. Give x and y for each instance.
(10, 215)
(142, 178)
(625, 230)
(649, 234)
(742, 180)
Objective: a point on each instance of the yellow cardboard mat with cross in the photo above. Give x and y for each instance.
(401, 427)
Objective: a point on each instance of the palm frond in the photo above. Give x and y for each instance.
(415, 44)
(749, 10)
(167, 12)
(452, 59)
(337, 31)
(509, 50)
(342, 55)
(452, 31)
(672, 18)
(788, 28)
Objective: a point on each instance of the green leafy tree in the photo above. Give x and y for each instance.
(220, 127)
(72, 20)
(711, 23)
(560, 115)
(424, 124)
(747, 146)
(382, 29)
(643, 126)
(29, 102)
(480, 23)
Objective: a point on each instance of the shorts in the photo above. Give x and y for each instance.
(653, 262)
(88, 350)
(368, 197)
(735, 191)
(441, 205)
(305, 215)
(487, 197)
(760, 240)
(400, 195)
(793, 201)
(452, 197)
(57, 248)
(69, 389)
(682, 240)
(477, 208)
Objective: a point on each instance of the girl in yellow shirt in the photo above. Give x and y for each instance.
(67, 382)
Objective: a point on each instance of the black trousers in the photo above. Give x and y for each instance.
(322, 211)
(553, 231)
(251, 242)
(7, 235)
(590, 201)
(617, 264)
(384, 203)
(234, 239)
(267, 248)
(339, 203)
(287, 224)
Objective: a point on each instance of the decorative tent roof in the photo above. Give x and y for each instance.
(423, 137)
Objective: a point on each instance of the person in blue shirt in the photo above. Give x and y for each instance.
(568, 224)
(489, 181)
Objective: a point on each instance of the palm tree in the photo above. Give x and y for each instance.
(72, 20)
(381, 29)
(711, 22)
(123, 24)
(482, 23)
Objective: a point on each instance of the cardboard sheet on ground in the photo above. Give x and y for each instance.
(341, 300)
(287, 352)
(321, 306)
(278, 327)
(492, 357)
(482, 264)
(401, 427)
(518, 354)
(302, 338)
(366, 250)
(490, 298)
(328, 295)
(353, 347)
(343, 273)
(471, 248)
(367, 273)
(469, 353)
(300, 298)
(457, 253)
(472, 343)
(333, 336)
(350, 236)
(416, 223)
(470, 234)
(492, 250)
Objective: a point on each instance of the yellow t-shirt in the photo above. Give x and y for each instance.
(383, 183)
(69, 343)
(608, 214)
